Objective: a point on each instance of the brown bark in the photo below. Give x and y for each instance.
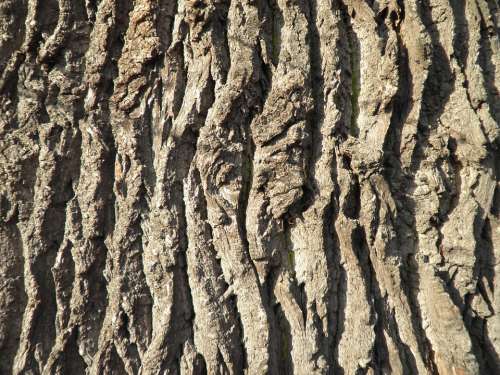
(229, 187)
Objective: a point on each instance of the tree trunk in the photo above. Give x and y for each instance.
(249, 186)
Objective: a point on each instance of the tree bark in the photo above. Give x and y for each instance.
(258, 187)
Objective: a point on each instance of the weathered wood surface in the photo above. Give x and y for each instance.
(251, 186)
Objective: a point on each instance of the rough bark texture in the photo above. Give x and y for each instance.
(251, 186)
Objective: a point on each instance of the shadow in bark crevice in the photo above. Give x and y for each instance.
(277, 23)
(436, 93)
(179, 158)
(411, 291)
(12, 293)
(486, 60)
(398, 183)
(10, 56)
(71, 362)
(481, 347)
(488, 260)
(339, 283)
(380, 354)
(460, 33)
(341, 288)
(355, 67)
(224, 295)
(52, 220)
(437, 89)
(484, 260)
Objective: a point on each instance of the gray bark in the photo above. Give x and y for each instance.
(258, 187)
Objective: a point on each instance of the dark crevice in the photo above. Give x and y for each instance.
(380, 352)
(386, 318)
(397, 181)
(277, 323)
(47, 242)
(71, 361)
(13, 289)
(266, 76)
(352, 202)
(486, 258)
(200, 366)
(333, 292)
(51, 52)
(132, 354)
(302, 301)
(463, 303)
(47, 15)
(382, 29)
(220, 28)
(461, 51)
(13, 14)
(410, 278)
(340, 161)
(115, 43)
(315, 118)
(340, 316)
(484, 261)
(64, 276)
(354, 68)
(297, 291)
(460, 33)
(405, 354)
(176, 71)
(226, 298)
(277, 23)
(437, 89)
(361, 251)
(253, 100)
(95, 309)
(239, 326)
(113, 364)
(402, 105)
(285, 341)
(448, 201)
(411, 284)
(283, 131)
(179, 158)
(167, 11)
(221, 364)
(339, 280)
(128, 241)
(493, 7)
(486, 61)
(90, 10)
(9, 77)
(355, 84)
